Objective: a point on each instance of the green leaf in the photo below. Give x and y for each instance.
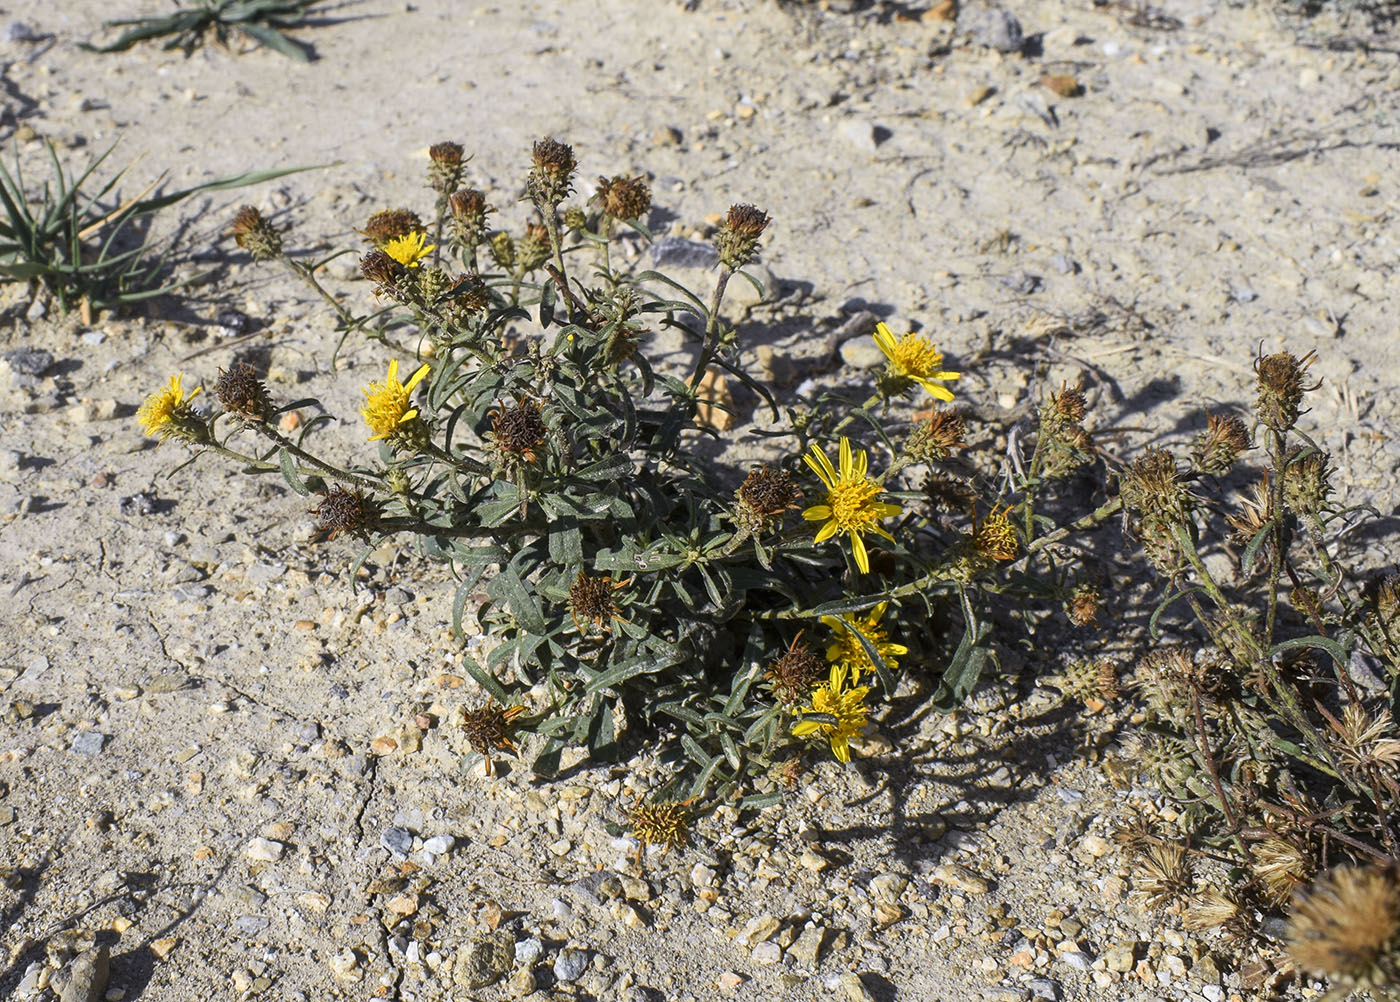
(601, 739)
(548, 296)
(1162, 606)
(290, 474)
(758, 801)
(275, 40)
(485, 679)
(1337, 651)
(546, 764)
(522, 603)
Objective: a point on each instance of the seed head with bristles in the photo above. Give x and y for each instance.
(445, 163)
(665, 824)
(1281, 387)
(623, 197)
(241, 392)
(934, 440)
(1216, 449)
(1346, 927)
(345, 511)
(766, 495)
(551, 174)
(1164, 874)
(391, 224)
(737, 239)
(256, 235)
(793, 673)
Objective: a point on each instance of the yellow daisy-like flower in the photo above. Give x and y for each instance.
(913, 357)
(388, 404)
(410, 249)
(161, 407)
(848, 708)
(851, 500)
(846, 651)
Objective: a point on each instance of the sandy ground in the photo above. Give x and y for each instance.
(184, 672)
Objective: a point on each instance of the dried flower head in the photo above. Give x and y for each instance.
(503, 251)
(837, 713)
(1307, 481)
(488, 728)
(387, 404)
(345, 511)
(914, 359)
(1347, 928)
(737, 239)
(1383, 595)
(1365, 743)
(534, 248)
(591, 601)
(551, 174)
(445, 164)
(765, 495)
(623, 198)
(382, 270)
(519, 430)
(167, 414)
(1215, 450)
(469, 210)
(241, 392)
(934, 440)
(995, 537)
(1256, 511)
(256, 235)
(1086, 679)
(575, 219)
(391, 224)
(850, 654)
(851, 505)
(793, 673)
(1281, 387)
(1069, 404)
(949, 493)
(1213, 908)
(1164, 874)
(666, 824)
(1083, 605)
(1281, 866)
(1150, 486)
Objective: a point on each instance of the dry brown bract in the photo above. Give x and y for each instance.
(1347, 928)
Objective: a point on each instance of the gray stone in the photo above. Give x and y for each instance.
(1044, 988)
(140, 503)
(87, 977)
(485, 961)
(1064, 264)
(996, 29)
(807, 950)
(678, 252)
(570, 964)
(439, 844)
(527, 951)
(862, 353)
(89, 743)
(190, 592)
(399, 841)
(28, 361)
(859, 134)
(767, 953)
(250, 925)
(18, 31)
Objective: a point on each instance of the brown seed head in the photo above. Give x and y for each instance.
(1306, 481)
(995, 536)
(345, 511)
(737, 239)
(934, 440)
(519, 430)
(1164, 874)
(1383, 594)
(551, 174)
(390, 224)
(766, 494)
(1347, 928)
(382, 270)
(666, 825)
(445, 164)
(256, 235)
(1150, 486)
(623, 197)
(241, 392)
(534, 248)
(488, 727)
(591, 600)
(793, 673)
(469, 211)
(1091, 679)
(1216, 449)
(1211, 909)
(1281, 866)
(1281, 388)
(1069, 403)
(1083, 605)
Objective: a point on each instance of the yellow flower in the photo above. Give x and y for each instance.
(846, 706)
(163, 406)
(846, 651)
(409, 250)
(996, 537)
(851, 506)
(914, 357)
(388, 403)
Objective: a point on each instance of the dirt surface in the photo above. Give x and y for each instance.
(189, 772)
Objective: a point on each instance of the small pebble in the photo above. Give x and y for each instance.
(570, 964)
(265, 850)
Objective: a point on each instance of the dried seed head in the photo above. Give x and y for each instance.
(1382, 594)
(623, 198)
(445, 164)
(534, 248)
(488, 727)
(1216, 449)
(1085, 679)
(764, 495)
(256, 235)
(934, 440)
(1069, 403)
(503, 251)
(1083, 605)
(1149, 486)
(382, 270)
(666, 825)
(470, 294)
(1281, 388)
(345, 511)
(948, 493)
(1164, 762)
(591, 601)
(1306, 481)
(1366, 743)
(391, 224)
(1211, 909)
(1347, 928)
(1256, 511)
(1280, 866)
(1164, 874)
(793, 673)
(241, 392)
(575, 219)
(469, 210)
(519, 430)
(551, 174)
(737, 239)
